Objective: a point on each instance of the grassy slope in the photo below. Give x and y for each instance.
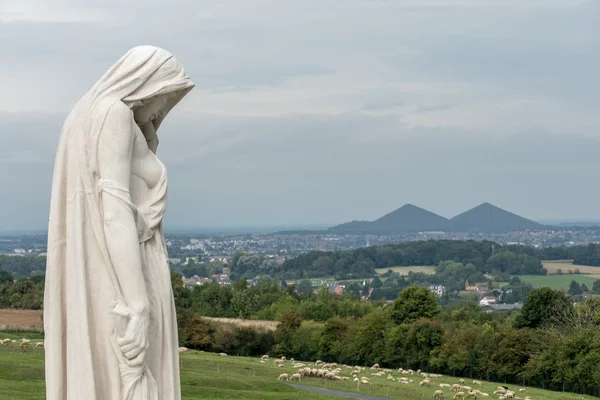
(207, 376)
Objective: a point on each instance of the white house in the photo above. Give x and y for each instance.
(488, 300)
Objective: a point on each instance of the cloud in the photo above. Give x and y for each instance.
(323, 111)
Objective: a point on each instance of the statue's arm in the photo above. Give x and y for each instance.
(115, 148)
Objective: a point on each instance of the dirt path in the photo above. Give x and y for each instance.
(339, 393)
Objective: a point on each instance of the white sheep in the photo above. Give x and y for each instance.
(25, 343)
(264, 357)
(425, 382)
(222, 354)
(459, 395)
(477, 383)
(181, 349)
(296, 377)
(438, 394)
(283, 376)
(6, 342)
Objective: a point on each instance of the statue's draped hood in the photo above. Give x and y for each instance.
(81, 282)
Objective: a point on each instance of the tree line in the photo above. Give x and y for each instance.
(485, 256)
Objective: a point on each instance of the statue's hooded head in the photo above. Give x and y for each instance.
(148, 79)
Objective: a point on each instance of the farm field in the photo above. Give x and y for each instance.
(565, 265)
(208, 376)
(246, 323)
(30, 320)
(429, 270)
(557, 281)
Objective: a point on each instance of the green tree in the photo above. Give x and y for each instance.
(542, 306)
(415, 302)
(596, 287)
(5, 277)
(575, 289)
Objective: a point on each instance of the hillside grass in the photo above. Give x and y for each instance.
(426, 269)
(557, 281)
(208, 376)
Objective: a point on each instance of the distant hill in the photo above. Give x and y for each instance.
(408, 218)
(489, 218)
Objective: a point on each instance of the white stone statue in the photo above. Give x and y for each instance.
(109, 316)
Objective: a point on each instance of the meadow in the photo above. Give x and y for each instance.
(208, 376)
(429, 270)
(557, 281)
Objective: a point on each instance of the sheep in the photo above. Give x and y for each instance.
(329, 375)
(455, 387)
(222, 354)
(410, 372)
(296, 377)
(466, 387)
(458, 395)
(375, 366)
(477, 383)
(522, 390)
(264, 357)
(390, 378)
(438, 394)
(405, 372)
(461, 381)
(181, 349)
(364, 382)
(279, 365)
(6, 342)
(471, 395)
(283, 358)
(443, 385)
(510, 395)
(500, 391)
(283, 376)
(25, 343)
(292, 360)
(425, 382)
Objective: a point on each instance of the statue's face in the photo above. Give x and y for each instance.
(151, 109)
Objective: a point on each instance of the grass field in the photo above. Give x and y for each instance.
(557, 281)
(207, 376)
(429, 270)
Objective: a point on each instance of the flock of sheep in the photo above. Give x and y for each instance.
(24, 343)
(359, 375)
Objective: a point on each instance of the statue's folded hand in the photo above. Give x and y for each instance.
(134, 342)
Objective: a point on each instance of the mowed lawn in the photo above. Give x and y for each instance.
(429, 270)
(557, 281)
(208, 376)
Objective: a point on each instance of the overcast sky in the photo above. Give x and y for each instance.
(324, 111)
